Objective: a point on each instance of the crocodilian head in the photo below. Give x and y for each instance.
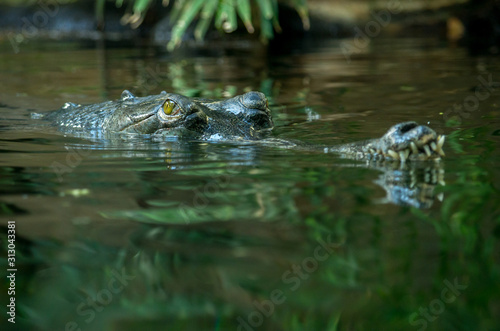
(246, 116)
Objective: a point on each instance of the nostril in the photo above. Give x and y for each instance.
(405, 127)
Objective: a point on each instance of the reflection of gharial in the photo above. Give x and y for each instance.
(244, 117)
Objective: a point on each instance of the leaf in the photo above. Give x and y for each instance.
(205, 17)
(232, 22)
(275, 20)
(265, 8)
(99, 11)
(177, 9)
(225, 18)
(301, 8)
(245, 13)
(266, 28)
(266, 17)
(140, 6)
(188, 13)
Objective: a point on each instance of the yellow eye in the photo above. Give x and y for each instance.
(168, 107)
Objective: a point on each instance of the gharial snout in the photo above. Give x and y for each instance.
(409, 140)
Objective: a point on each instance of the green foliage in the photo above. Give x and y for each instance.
(224, 13)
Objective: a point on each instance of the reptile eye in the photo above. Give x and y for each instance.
(168, 107)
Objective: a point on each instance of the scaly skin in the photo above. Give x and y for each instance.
(403, 141)
(244, 117)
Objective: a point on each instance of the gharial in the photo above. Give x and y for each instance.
(243, 117)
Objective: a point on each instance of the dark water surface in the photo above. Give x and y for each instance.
(151, 234)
